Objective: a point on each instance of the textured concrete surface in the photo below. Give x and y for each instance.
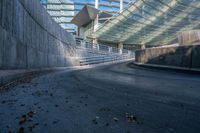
(181, 56)
(189, 37)
(106, 99)
(168, 68)
(30, 38)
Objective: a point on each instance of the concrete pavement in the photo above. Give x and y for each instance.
(106, 99)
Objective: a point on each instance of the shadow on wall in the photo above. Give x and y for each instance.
(180, 56)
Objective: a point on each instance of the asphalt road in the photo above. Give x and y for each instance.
(107, 99)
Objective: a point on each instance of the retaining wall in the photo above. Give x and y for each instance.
(181, 56)
(30, 38)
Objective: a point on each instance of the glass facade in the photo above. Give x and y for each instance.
(64, 10)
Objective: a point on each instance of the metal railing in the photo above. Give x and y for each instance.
(90, 53)
(104, 49)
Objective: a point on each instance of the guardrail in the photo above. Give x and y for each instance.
(89, 53)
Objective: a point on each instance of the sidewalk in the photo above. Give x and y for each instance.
(164, 67)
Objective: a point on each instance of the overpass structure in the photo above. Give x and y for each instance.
(150, 22)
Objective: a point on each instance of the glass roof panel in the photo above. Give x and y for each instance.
(151, 22)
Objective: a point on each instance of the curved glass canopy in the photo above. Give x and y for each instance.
(151, 22)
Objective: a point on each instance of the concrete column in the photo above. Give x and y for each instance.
(95, 41)
(110, 49)
(142, 46)
(83, 44)
(120, 51)
(97, 4)
(120, 46)
(97, 47)
(121, 5)
(96, 20)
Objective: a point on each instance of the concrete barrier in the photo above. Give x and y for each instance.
(189, 37)
(181, 56)
(30, 38)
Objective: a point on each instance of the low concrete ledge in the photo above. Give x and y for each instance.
(164, 67)
(7, 76)
(177, 57)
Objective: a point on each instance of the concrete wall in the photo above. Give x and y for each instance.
(189, 37)
(29, 38)
(181, 56)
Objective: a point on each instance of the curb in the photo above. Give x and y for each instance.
(171, 68)
(9, 76)
(108, 63)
